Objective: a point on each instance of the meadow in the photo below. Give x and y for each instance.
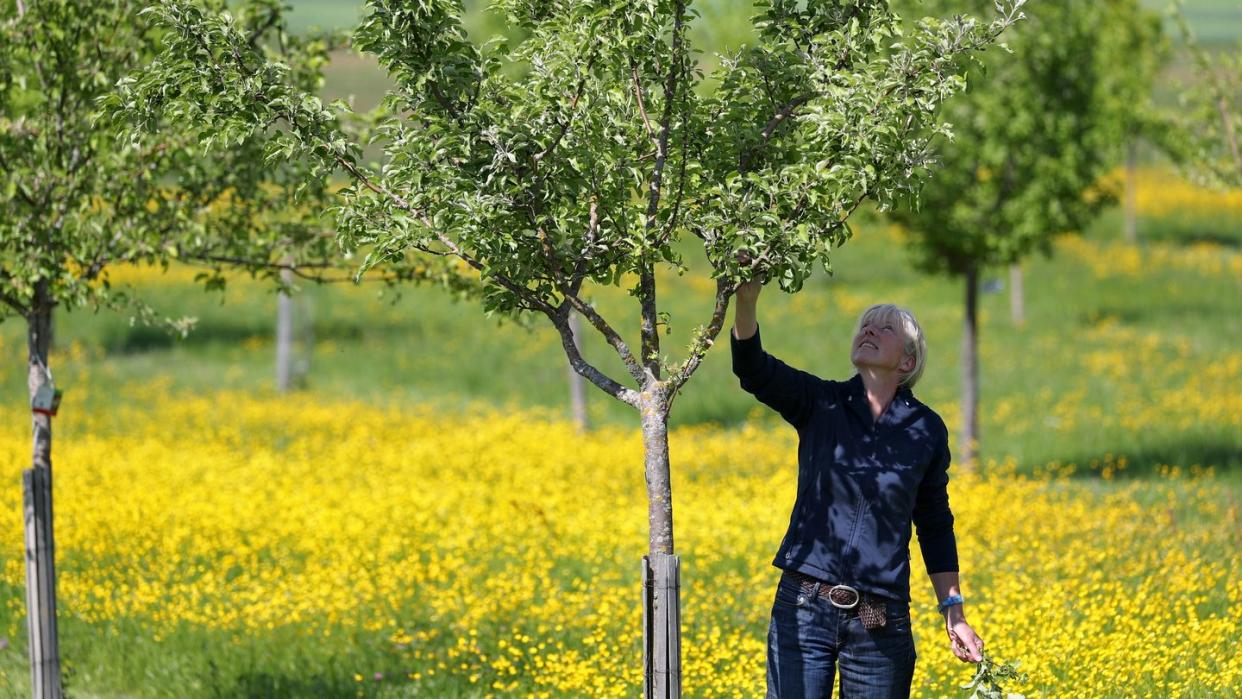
(222, 544)
(422, 520)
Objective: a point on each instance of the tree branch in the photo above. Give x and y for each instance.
(8, 299)
(649, 324)
(681, 190)
(260, 30)
(299, 270)
(703, 339)
(580, 267)
(573, 107)
(19, 187)
(642, 107)
(618, 344)
(560, 320)
(744, 159)
(1231, 137)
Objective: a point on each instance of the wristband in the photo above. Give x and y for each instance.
(949, 601)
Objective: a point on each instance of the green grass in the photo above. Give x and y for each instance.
(425, 347)
(197, 662)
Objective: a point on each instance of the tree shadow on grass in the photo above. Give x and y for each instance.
(1171, 308)
(139, 339)
(1224, 457)
(279, 686)
(283, 686)
(1222, 239)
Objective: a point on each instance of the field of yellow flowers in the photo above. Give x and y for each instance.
(411, 526)
(227, 544)
(1171, 209)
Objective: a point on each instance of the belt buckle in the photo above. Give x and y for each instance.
(845, 588)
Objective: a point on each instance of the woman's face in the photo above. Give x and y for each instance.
(880, 344)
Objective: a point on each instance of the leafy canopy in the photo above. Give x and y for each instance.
(1035, 132)
(583, 152)
(1210, 119)
(81, 193)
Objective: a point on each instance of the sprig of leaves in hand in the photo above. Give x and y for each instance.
(989, 677)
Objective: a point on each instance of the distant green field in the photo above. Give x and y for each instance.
(723, 24)
(1214, 21)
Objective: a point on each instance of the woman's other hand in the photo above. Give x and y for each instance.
(967, 645)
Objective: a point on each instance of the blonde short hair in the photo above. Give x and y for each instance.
(915, 345)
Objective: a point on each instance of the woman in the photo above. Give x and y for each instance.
(872, 460)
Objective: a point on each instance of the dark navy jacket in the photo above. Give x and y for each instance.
(861, 482)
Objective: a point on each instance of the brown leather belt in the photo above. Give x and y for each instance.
(872, 609)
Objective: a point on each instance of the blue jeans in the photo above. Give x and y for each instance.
(809, 638)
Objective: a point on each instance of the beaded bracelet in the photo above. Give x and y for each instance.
(949, 601)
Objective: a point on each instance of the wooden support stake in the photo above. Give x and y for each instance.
(662, 627)
(41, 584)
(648, 636)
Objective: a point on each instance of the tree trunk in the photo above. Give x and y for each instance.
(1131, 207)
(37, 514)
(577, 385)
(661, 571)
(1017, 295)
(284, 336)
(970, 373)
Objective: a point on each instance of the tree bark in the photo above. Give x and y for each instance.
(1131, 207)
(970, 373)
(284, 336)
(1017, 295)
(577, 386)
(37, 513)
(661, 579)
(654, 409)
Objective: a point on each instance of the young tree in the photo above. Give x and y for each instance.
(79, 196)
(592, 154)
(1141, 49)
(1209, 142)
(1033, 135)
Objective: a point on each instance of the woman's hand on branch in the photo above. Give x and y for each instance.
(748, 292)
(746, 315)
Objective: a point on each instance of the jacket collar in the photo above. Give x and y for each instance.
(899, 410)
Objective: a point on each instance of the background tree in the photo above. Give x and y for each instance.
(1033, 135)
(1210, 120)
(583, 154)
(79, 197)
(1141, 48)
